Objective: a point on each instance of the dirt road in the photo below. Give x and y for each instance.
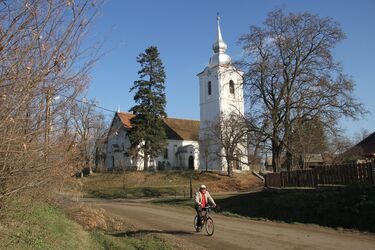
(176, 226)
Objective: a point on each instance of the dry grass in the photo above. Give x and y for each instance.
(165, 183)
(91, 218)
(43, 225)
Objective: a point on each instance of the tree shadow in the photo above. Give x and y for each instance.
(143, 232)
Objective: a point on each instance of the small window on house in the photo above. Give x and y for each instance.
(166, 153)
(231, 87)
(209, 88)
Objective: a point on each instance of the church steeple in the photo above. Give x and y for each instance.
(219, 47)
(221, 93)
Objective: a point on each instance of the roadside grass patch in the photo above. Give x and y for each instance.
(346, 208)
(148, 242)
(43, 226)
(143, 184)
(134, 192)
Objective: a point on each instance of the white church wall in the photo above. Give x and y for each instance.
(231, 102)
(118, 144)
(173, 160)
(221, 101)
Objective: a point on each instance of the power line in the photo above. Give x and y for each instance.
(89, 104)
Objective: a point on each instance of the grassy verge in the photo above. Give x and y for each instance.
(107, 241)
(135, 192)
(43, 226)
(345, 208)
(137, 184)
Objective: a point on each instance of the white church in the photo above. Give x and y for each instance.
(221, 92)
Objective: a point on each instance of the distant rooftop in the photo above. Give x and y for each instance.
(176, 128)
(367, 145)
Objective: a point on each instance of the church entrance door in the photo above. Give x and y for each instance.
(235, 164)
(191, 162)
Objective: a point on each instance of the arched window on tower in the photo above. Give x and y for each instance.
(209, 88)
(231, 87)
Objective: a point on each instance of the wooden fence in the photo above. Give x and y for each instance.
(347, 175)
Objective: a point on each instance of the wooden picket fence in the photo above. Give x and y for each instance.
(346, 175)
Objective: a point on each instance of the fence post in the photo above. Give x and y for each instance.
(281, 179)
(266, 180)
(298, 176)
(315, 176)
(191, 187)
(372, 172)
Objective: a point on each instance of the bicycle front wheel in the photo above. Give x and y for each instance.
(209, 226)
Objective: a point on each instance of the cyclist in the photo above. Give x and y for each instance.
(202, 199)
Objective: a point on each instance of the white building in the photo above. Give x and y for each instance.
(221, 93)
(181, 152)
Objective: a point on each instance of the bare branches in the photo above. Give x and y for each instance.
(89, 126)
(291, 76)
(41, 59)
(226, 138)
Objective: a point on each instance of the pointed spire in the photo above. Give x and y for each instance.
(219, 46)
(219, 57)
(219, 37)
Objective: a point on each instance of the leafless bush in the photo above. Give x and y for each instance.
(43, 67)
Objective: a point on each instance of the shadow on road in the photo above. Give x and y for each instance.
(142, 232)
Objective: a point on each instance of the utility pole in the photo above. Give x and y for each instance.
(47, 114)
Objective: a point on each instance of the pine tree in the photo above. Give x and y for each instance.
(147, 134)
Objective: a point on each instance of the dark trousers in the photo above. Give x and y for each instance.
(199, 210)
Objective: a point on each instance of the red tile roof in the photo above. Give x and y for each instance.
(176, 129)
(125, 119)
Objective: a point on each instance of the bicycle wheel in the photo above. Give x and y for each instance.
(198, 229)
(209, 226)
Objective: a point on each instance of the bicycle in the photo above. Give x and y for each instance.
(207, 221)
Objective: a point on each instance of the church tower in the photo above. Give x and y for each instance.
(221, 92)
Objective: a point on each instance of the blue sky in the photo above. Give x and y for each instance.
(185, 30)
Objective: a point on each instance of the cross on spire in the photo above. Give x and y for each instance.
(219, 46)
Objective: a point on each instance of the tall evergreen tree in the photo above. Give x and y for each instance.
(147, 134)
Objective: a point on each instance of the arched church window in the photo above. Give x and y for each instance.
(209, 88)
(231, 87)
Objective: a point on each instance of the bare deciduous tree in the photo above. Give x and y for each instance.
(89, 126)
(205, 149)
(338, 145)
(291, 75)
(41, 59)
(359, 136)
(228, 135)
(307, 137)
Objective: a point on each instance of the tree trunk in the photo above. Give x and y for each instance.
(289, 160)
(88, 165)
(276, 157)
(229, 168)
(145, 162)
